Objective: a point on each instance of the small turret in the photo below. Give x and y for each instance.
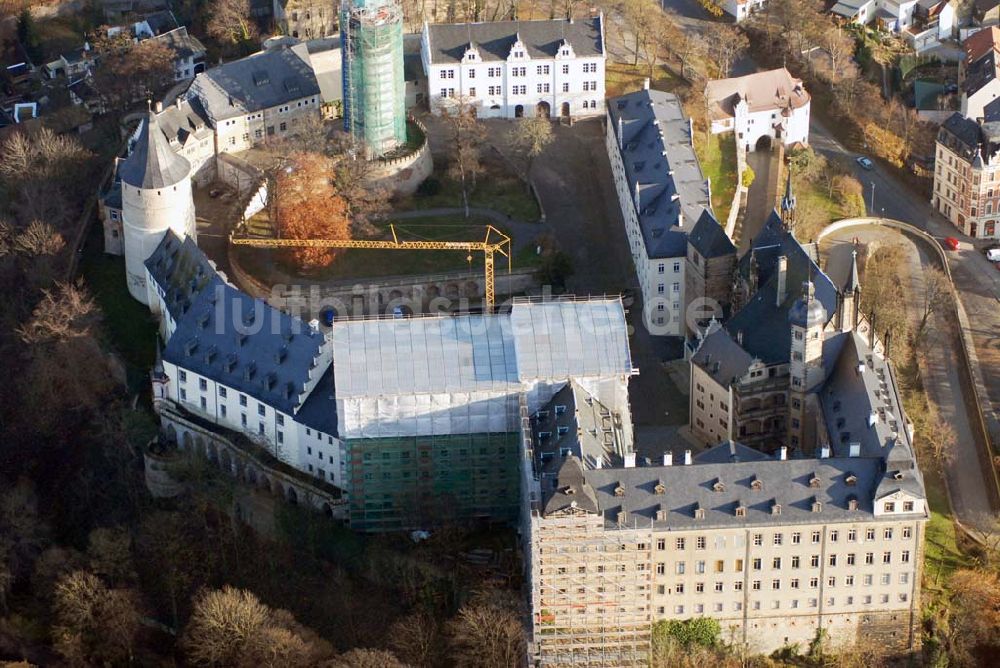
(159, 381)
(788, 203)
(850, 298)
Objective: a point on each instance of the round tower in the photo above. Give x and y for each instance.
(156, 196)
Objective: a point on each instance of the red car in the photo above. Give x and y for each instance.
(951, 243)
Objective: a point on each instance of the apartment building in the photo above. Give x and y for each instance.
(760, 108)
(662, 195)
(514, 69)
(967, 174)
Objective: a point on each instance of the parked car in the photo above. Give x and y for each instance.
(328, 315)
(865, 163)
(951, 243)
(993, 254)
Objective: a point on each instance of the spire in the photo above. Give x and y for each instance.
(153, 164)
(788, 201)
(853, 282)
(158, 365)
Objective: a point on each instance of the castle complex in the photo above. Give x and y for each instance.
(803, 514)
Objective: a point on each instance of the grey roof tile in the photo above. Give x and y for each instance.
(448, 41)
(722, 358)
(709, 238)
(152, 163)
(661, 166)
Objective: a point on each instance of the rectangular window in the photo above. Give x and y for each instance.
(243, 400)
(565, 69)
(699, 567)
(202, 384)
(565, 87)
(887, 557)
(814, 561)
(887, 534)
(815, 537)
(796, 538)
(757, 563)
(777, 536)
(184, 394)
(795, 562)
(472, 92)
(679, 543)
(222, 410)
(679, 568)
(182, 375)
(758, 539)
(222, 392)
(261, 410)
(776, 563)
(720, 566)
(700, 543)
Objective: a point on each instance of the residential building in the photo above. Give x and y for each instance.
(662, 195)
(741, 9)
(967, 173)
(978, 73)
(711, 259)
(760, 108)
(900, 16)
(511, 69)
(189, 52)
(305, 19)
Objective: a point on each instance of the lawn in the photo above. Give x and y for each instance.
(942, 555)
(128, 326)
(372, 263)
(717, 157)
(495, 189)
(621, 78)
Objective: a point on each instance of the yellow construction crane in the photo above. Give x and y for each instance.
(494, 241)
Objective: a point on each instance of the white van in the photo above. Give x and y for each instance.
(993, 255)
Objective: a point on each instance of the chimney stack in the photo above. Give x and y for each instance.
(782, 453)
(645, 83)
(687, 458)
(668, 459)
(158, 107)
(630, 460)
(782, 280)
(824, 452)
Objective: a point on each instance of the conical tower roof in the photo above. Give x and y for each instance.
(853, 281)
(153, 164)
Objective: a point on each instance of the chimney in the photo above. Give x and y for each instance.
(668, 459)
(687, 458)
(630, 460)
(178, 101)
(824, 452)
(621, 138)
(855, 450)
(783, 453)
(739, 337)
(782, 280)
(599, 463)
(645, 83)
(159, 106)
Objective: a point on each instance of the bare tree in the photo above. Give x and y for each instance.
(935, 298)
(231, 22)
(466, 136)
(975, 614)
(530, 137)
(95, 625)
(487, 633)
(728, 44)
(366, 658)
(64, 313)
(39, 239)
(986, 531)
(415, 639)
(939, 436)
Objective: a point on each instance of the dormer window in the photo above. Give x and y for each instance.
(661, 513)
(850, 480)
(897, 475)
(852, 502)
(741, 510)
(660, 489)
(756, 485)
(622, 517)
(775, 508)
(718, 486)
(619, 490)
(817, 506)
(814, 481)
(699, 512)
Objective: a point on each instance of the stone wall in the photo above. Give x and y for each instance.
(403, 175)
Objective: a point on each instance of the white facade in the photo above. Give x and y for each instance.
(563, 84)
(742, 9)
(146, 216)
(749, 107)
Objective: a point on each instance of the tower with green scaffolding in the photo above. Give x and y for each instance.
(374, 94)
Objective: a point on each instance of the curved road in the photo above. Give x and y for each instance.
(966, 484)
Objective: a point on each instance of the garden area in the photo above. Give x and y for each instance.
(717, 157)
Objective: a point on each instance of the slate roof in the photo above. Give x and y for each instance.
(571, 489)
(179, 122)
(319, 410)
(153, 164)
(583, 418)
(247, 345)
(260, 81)
(672, 191)
(709, 238)
(980, 72)
(542, 39)
(722, 358)
(773, 89)
(181, 43)
(786, 483)
(181, 270)
(762, 321)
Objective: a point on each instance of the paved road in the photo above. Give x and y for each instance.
(760, 201)
(966, 483)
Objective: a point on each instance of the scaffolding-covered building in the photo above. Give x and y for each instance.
(429, 408)
(374, 89)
